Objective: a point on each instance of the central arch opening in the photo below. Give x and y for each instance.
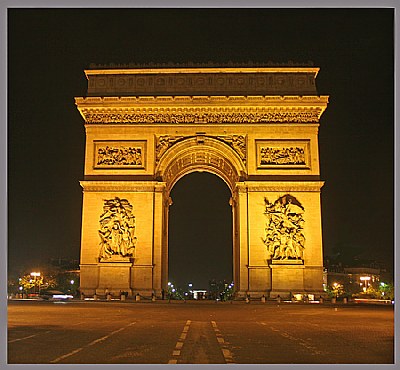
(200, 246)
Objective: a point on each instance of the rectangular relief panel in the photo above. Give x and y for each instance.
(119, 154)
(282, 154)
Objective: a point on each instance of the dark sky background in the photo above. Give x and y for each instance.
(48, 50)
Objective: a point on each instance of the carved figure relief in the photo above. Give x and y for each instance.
(310, 116)
(238, 144)
(119, 156)
(117, 229)
(163, 143)
(282, 156)
(284, 237)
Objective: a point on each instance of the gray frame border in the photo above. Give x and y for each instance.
(5, 4)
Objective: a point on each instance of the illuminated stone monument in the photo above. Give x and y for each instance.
(254, 127)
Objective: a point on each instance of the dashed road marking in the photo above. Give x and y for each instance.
(90, 344)
(223, 344)
(179, 344)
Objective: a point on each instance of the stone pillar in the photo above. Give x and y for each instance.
(159, 240)
(242, 257)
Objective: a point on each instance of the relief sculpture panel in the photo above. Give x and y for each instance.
(284, 237)
(280, 154)
(289, 155)
(119, 155)
(117, 229)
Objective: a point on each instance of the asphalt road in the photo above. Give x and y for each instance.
(198, 333)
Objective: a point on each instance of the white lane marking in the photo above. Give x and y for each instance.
(302, 342)
(90, 344)
(224, 345)
(183, 336)
(179, 344)
(29, 336)
(34, 335)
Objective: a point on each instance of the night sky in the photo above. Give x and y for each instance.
(48, 50)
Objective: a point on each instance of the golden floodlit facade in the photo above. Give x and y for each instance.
(254, 127)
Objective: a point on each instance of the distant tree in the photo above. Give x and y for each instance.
(336, 290)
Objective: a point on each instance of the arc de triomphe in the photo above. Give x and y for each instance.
(256, 128)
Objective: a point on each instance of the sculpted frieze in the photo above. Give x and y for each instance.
(282, 156)
(284, 237)
(117, 229)
(293, 116)
(119, 154)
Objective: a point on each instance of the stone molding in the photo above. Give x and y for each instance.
(202, 109)
(124, 101)
(200, 153)
(241, 187)
(122, 186)
(279, 186)
(220, 81)
(210, 67)
(237, 142)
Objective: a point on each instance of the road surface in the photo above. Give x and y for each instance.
(89, 332)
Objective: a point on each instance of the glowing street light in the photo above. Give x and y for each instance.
(365, 280)
(36, 275)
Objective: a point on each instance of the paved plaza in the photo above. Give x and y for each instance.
(99, 332)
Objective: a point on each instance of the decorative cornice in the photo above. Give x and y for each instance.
(199, 109)
(120, 186)
(120, 70)
(209, 64)
(280, 186)
(175, 101)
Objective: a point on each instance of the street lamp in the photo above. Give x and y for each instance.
(35, 275)
(366, 280)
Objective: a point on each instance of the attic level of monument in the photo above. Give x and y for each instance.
(202, 81)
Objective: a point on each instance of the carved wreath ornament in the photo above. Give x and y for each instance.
(284, 236)
(117, 229)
